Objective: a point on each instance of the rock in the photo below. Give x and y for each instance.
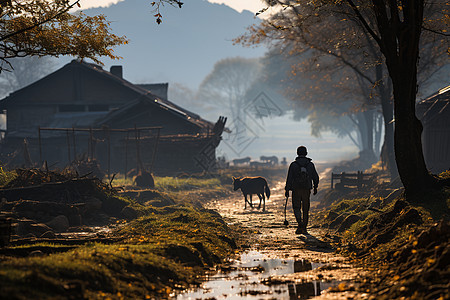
(349, 221)
(48, 235)
(44, 211)
(59, 223)
(112, 206)
(129, 213)
(145, 179)
(93, 204)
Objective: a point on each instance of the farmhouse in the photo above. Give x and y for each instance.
(434, 112)
(83, 110)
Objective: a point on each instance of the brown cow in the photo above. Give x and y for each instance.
(250, 186)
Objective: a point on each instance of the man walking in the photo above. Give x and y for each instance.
(301, 176)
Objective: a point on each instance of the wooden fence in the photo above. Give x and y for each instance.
(358, 179)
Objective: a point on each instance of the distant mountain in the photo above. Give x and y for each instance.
(184, 47)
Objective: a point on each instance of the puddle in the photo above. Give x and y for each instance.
(243, 280)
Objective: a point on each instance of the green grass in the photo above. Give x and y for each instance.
(170, 184)
(174, 184)
(166, 248)
(163, 250)
(203, 180)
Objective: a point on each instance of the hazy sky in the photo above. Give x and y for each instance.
(239, 5)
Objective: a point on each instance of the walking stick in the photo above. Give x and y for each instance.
(286, 223)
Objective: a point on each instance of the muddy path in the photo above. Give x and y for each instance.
(273, 262)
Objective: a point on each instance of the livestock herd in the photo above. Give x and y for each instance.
(264, 161)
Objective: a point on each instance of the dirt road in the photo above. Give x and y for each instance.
(277, 264)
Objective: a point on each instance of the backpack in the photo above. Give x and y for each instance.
(302, 179)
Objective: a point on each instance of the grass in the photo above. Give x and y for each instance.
(377, 233)
(174, 184)
(6, 176)
(164, 250)
(170, 184)
(161, 251)
(403, 246)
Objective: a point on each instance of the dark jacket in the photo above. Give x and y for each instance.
(294, 169)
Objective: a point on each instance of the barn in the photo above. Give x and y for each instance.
(82, 110)
(434, 112)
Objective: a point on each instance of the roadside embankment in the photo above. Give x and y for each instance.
(161, 242)
(404, 244)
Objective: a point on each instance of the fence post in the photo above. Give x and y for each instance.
(138, 153)
(91, 143)
(332, 175)
(68, 144)
(74, 144)
(40, 146)
(126, 153)
(359, 179)
(108, 136)
(154, 151)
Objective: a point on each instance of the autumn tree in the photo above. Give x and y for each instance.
(46, 28)
(395, 28)
(330, 95)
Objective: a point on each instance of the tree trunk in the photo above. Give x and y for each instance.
(407, 139)
(388, 152)
(387, 109)
(379, 125)
(399, 43)
(368, 118)
(362, 130)
(408, 129)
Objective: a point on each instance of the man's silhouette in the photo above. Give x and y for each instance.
(302, 177)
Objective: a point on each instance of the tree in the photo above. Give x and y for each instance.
(329, 53)
(332, 96)
(395, 27)
(157, 7)
(46, 28)
(228, 83)
(26, 70)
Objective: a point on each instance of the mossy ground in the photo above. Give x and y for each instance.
(158, 252)
(165, 249)
(398, 241)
